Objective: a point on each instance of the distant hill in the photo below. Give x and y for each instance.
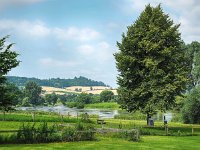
(56, 82)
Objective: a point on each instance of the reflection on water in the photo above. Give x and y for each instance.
(73, 111)
(101, 113)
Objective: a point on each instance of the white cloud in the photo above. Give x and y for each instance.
(52, 63)
(100, 52)
(26, 28)
(39, 29)
(73, 33)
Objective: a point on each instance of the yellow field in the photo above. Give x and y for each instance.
(77, 89)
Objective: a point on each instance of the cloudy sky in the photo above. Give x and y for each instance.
(68, 38)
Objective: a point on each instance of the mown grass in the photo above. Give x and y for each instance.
(147, 142)
(105, 105)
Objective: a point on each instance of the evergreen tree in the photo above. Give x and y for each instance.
(152, 64)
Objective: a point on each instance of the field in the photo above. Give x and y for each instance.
(179, 135)
(77, 89)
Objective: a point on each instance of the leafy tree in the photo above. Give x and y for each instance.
(106, 96)
(191, 111)
(84, 98)
(194, 53)
(25, 101)
(8, 60)
(51, 98)
(7, 57)
(152, 63)
(33, 91)
(10, 95)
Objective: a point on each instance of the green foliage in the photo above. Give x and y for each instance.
(130, 116)
(39, 117)
(152, 63)
(191, 111)
(8, 58)
(106, 105)
(71, 104)
(51, 99)
(79, 133)
(194, 54)
(55, 82)
(106, 96)
(9, 97)
(33, 91)
(84, 98)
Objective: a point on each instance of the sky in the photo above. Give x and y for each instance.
(68, 38)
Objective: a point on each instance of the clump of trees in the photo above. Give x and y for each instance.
(190, 105)
(106, 96)
(190, 110)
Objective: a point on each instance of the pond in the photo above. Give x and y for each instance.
(73, 111)
(102, 113)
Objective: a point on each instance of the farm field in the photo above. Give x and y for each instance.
(74, 89)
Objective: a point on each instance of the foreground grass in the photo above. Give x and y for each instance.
(105, 105)
(147, 142)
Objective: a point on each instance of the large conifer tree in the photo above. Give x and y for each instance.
(151, 62)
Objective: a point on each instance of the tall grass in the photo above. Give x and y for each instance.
(105, 105)
(28, 117)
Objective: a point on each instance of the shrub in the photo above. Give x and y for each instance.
(43, 134)
(79, 133)
(132, 135)
(191, 111)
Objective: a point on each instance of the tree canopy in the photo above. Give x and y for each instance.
(190, 110)
(8, 60)
(7, 57)
(152, 63)
(106, 96)
(32, 91)
(55, 82)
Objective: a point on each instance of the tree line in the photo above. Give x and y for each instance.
(55, 82)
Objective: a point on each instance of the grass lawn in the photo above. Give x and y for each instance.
(147, 142)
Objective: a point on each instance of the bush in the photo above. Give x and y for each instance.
(132, 135)
(191, 111)
(79, 133)
(43, 134)
(130, 116)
